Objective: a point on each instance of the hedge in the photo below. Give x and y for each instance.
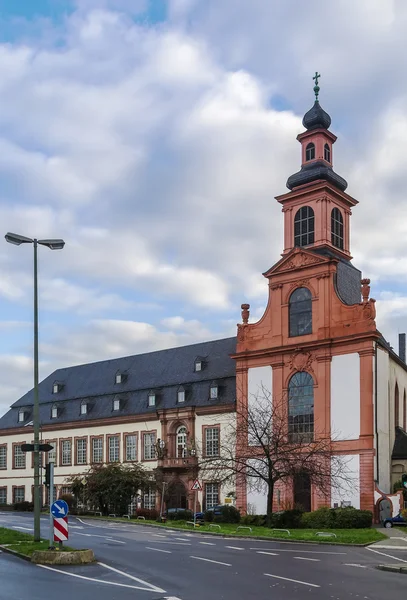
(337, 518)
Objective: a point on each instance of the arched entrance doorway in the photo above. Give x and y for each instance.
(302, 491)
(177, 495)
(181, 442)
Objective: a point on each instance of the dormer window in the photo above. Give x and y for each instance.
(84, 408)
(120, 377)
(181, 395)
(198, 365)
(57, 387)
(327, 153)
(213, 391)
(310, 152)
(54, 411)
(21, 415)
(151, 399)
(116, 404)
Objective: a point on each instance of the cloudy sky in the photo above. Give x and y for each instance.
(153, 135)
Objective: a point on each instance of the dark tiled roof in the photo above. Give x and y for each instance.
(400, 444)
(314, 171)
(162, 371)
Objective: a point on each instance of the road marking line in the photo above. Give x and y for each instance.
(133, 587)
(264, 552)
(25, 528)
(150, 585)
(307, 558)
(234, 547)
(181, 539)
(211, 561)
(293, 580)
(355, 565)
(159, 550)
(173, 543)
(299, 551)
(384, 547)
(208, 543)
(117, 541)
(388, 555)
(158, 535)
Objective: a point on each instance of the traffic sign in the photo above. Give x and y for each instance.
(41, 447)
(59, 508)
(196, 486)
(61, 529)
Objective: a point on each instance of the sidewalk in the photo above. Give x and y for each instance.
(397, 539)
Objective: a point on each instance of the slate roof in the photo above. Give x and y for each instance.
(314, 171)
(400, 444)
(316, 117)
(163, 372)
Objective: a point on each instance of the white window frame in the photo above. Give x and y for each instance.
(52, 454)
(212, 441)
(97, 450)
(54, 412)
(21, 416)
(198, 366)
(55, 388)
(211, 495)
(19, 457)
(131, 448)
(19, 489)
(3, 498)
(81, 451)
(151, 399)
(66, 451)
(181, 396)
(149, 449)
(149, 500)
(114, 449)
(181, 442)
(213, 392)
(116, 404)
(118, 378)
(3, 457)
(84, 408)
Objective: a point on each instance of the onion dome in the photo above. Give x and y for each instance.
(316, 118)
(314, 171)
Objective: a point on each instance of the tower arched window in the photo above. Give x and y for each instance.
(337, 228)
(304, 226)
(300, 312)
(310, 151)
(181, 438)
(327, 153)
(301, 407)
(396, 405)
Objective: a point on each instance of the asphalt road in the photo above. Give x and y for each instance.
(138, 562)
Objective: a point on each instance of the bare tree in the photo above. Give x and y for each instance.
(262, 446)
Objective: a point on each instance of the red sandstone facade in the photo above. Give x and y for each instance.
(337, 328)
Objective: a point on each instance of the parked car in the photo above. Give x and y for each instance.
(215, 509)
(394, 521)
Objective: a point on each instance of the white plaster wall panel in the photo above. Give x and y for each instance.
(383, 424)
(256, 495)
(348, 489)
(260, 389)
(345, 397)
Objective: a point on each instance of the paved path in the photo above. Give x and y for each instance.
(161, 563)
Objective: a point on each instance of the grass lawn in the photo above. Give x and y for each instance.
(24, 542)
(343, 536)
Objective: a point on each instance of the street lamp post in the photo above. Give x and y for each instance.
(17, 240)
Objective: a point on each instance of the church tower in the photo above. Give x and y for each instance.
(313, 349)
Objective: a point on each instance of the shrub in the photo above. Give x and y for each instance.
(180, 515)
(404, 513)
(255, 520)
(24, 506)
(69, 499)
(208, 516)
(148, 513)
(287, 519)
(228, 514)
(337, 518)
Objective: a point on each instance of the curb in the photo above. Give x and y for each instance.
(228, 535)
(392, 569)
(18, 554)
(53, 557)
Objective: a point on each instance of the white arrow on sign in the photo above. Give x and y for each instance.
(61, 509)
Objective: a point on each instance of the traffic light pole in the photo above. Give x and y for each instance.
(36, 416)
(51, 500)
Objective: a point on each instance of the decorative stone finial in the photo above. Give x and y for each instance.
(316, 87)
(365, 290)
(245, 313)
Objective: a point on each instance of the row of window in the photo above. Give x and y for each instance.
(117, 403)
(304, 227)
(310, 152)
(82, 452)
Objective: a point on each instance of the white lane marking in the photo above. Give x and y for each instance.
(355, 565)
(159, 550)
(299, 551)
(171, 598)
(25, 528)
(173, 543)
(293, 580)
(133, 587)
(158, 535)
(208, 543)
(117, 541)
(383, 547)
(211, 561)
(150, 585)
(181, 539)
(264, 552)
(388, 555)
(234, 547)
(307, 558)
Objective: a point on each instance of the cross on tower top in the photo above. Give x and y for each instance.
(316, 87)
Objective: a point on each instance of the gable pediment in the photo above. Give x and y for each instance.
(297, 259)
